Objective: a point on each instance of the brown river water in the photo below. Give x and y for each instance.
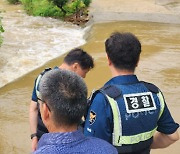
(159, 64)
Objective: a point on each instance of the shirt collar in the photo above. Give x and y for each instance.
(60, 138)
(123, 79)
(56, 67)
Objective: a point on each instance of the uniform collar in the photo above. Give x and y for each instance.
(123, 79)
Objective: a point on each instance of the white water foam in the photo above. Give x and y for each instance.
(29, 42)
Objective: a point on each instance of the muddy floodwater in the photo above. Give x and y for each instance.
(159, 63)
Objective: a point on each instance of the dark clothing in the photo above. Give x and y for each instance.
(41, 129)
(73, 143)
(139, 111)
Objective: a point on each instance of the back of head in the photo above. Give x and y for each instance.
(66, 94)
(123, 49)
(81, 57)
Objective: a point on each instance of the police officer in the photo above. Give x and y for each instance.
(130, 114)
(77, 61)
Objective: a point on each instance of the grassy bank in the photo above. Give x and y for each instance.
(69, 10)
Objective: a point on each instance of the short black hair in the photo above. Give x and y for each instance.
(123, 49)
(81, 57)
(66, 95)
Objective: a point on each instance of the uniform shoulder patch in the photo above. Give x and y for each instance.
(92, 117)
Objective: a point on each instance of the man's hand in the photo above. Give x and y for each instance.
(33, 118)
(34, 143)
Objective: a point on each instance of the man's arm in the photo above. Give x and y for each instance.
(33, 120)
(161, 140)
(97, 122)
(167, 130)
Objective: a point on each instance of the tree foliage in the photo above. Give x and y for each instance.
(56, 8)
(1, 31)
(73, 7)
(59, 3)
(87, 2)
(13, 1)
(43, 8)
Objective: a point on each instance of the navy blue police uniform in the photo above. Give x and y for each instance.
(126, 112)
(41, 129)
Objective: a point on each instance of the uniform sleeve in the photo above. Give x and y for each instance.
(166, 123)
(34, 95)
(98, 121)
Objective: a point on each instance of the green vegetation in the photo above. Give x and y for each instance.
(69, 10)
(13, 1)
(1, 31)
(87, 2)
(41, 8)
(74, 7)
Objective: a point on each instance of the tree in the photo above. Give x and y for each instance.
(60, 4)
(13, 1)
(1, 31)
(87, 2)
(67, 10)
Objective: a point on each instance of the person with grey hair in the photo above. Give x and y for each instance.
(78, 61)
(63, 102)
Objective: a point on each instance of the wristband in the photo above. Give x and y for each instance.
(33, 135)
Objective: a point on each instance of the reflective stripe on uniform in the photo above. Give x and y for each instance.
(133, 139)
(37, 83)
(161, 99)
(116, 120)
(117, 138)
(38, 80)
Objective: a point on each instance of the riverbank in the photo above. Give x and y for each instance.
(164, 11)
(39, 38)
(16, 39)
(29, 42)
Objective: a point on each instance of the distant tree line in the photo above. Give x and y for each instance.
(69, 10)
